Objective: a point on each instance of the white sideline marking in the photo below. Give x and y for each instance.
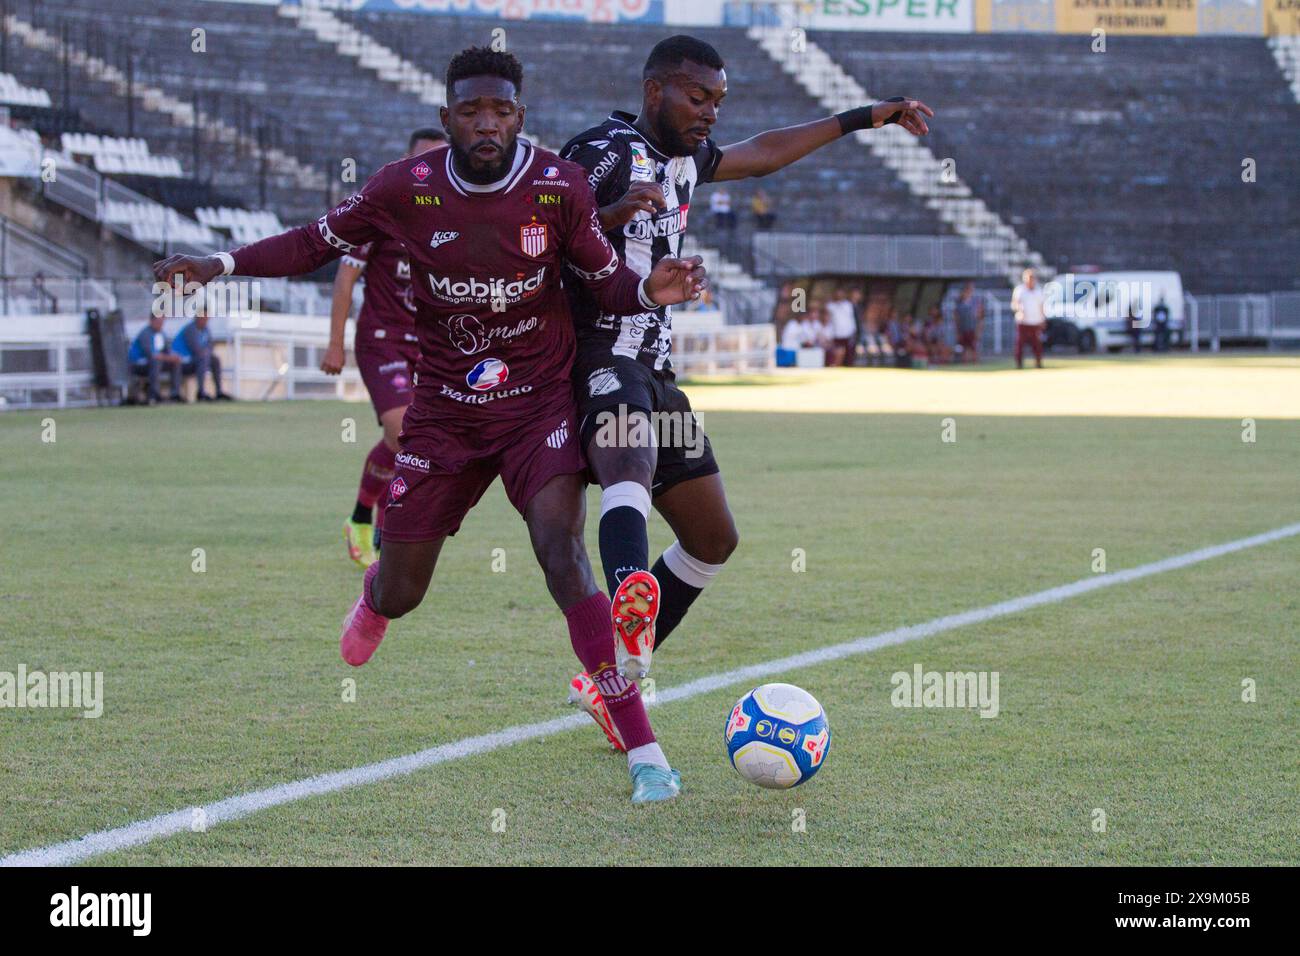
(237, 807)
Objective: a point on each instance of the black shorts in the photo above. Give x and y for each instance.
(608, 387)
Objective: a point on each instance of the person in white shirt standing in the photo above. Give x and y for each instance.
(1027, 304)
(844, 327)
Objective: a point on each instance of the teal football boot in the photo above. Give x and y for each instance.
(651, 783)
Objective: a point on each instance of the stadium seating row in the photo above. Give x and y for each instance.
(14, 93)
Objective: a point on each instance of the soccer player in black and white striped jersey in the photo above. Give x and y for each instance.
(644, 170)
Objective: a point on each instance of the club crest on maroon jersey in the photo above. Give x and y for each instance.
(532, 237)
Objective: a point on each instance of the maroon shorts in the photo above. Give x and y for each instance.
(443, 470)
(387, 367)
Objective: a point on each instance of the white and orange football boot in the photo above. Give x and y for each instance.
(634, 607)
(584, 693)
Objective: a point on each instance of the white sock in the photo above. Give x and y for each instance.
(647, 753)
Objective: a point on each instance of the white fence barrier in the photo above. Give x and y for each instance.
(45, 360)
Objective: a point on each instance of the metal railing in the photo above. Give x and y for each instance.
(789, 254)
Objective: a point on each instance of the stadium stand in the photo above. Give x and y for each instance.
(111, 154)
(814, 195)
(1145, 174)
(14, 93)
(264, 116)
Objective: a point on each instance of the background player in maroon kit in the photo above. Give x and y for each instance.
(386, 350)
(488, 224)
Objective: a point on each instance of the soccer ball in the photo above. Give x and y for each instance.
(778, 736)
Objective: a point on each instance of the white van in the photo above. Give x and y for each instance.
(1090, 310)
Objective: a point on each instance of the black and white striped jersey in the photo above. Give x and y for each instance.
(615, 156)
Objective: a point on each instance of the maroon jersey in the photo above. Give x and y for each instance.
(496, 336)
(388, 308)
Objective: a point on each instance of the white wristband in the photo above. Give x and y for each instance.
(646, 301)
(227, 263)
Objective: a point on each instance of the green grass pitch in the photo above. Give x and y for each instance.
(1127, 700)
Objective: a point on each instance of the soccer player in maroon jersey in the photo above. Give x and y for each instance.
(386, 351)
(644, 169)
(487, 224)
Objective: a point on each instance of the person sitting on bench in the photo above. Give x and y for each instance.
(149, 352)
(193, 344)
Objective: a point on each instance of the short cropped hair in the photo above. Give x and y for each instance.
(670, 53)
(480, 61)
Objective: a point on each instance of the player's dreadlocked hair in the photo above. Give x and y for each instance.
(668, 54)
(480, 61)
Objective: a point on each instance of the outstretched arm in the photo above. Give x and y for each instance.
(360, 219)
(777, 148)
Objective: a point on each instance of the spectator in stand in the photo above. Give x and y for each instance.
(1134, 325)
(878, 347)
(149, 352)
(792, 334)
(1027, 304)
(193, 344)
(970, 322)
(1161, 316)
(937, 350)
(844, 327)
(761, 206)
(724, 219)
(820, 334)
(896, 334)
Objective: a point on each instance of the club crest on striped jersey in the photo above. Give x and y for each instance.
(533, 238)
(487, 374)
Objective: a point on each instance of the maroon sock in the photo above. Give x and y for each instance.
(367, 583)
(592, 633)
(377, 474)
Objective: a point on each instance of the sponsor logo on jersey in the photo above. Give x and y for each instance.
(467, 333)
(602, 382)
(607, 164)
(532, 238)
(557, 438)
(548, 199)
(550, 172)
(425, 199)
(623, 131)
(564, 183)
(478, 291)
(483, 399)
(487, 374)
(440, 237)
(642, 166)
(668, 225)
(413, 461)
(397, 489)
(421, 171)
(404, 269)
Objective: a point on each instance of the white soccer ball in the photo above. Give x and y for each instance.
(777, 736)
